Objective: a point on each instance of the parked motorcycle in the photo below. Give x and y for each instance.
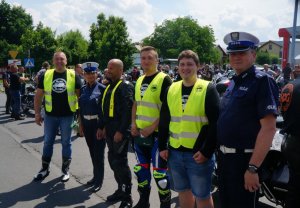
(27, 100)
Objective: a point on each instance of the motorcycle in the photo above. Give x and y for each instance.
(27, 100)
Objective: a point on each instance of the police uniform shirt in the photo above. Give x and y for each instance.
(59, 93)
(250, 97)
(90, 99)
(290, 107)
(206, 140)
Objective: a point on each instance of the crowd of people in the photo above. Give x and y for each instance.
(176, 121)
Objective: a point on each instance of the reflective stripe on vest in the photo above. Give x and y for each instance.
(48, 81)
(186, 125)
(148, 107)
(112, 99)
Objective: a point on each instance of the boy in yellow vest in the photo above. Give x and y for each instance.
(187, 133)
(61, 87)
(149, 92)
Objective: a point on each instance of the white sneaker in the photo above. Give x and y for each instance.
(65, 177)
(42, 174)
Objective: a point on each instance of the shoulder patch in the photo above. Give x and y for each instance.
(260, 74)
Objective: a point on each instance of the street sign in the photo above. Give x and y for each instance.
(29, 62)
(13, 53)
(15, 61)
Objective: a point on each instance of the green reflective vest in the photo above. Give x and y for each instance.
(72, 99)
(186, 125)
(148, 107)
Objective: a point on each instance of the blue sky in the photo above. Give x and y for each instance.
(260, 17)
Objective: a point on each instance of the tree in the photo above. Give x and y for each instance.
(109, 39)
(262, 58)
(74, 45)
(41, 42)
(274, 59)
(174, 36)
(14, 21)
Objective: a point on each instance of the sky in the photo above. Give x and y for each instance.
(262, 18)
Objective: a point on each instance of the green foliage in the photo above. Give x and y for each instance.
(109, 39)
(74, 45)
(274, 59)
(266, 58)
(41, 42)
(14, 21)
(174, 36)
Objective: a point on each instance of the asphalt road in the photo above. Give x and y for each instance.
(20, 152)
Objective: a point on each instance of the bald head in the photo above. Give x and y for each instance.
(115, 69)
(117, 63)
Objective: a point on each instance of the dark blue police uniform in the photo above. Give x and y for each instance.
(250, 97)
(90, 112)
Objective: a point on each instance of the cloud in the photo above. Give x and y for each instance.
(80, 14)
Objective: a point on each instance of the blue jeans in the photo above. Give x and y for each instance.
(51, 124)
(186, 174)
(16, 102)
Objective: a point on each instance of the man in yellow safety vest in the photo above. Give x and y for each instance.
(187, 133)
(149, 92)
(60, 87)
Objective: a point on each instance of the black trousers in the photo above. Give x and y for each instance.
(231, 169)
(96, 149)
(292, 154)
(8, 100)
(117, 157)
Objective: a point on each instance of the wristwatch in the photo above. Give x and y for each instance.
(252, 168)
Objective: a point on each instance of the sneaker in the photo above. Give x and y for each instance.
(42, 174)
(117, 196)
(65, 177)
(90, 182)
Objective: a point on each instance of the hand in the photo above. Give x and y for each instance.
(164, 154)
(199, 157)
(251, 181)
(38, 119)
(146, 131)
(118, 137)
(99, 134)
(134, 130)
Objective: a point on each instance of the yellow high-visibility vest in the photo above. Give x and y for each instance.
(186, 125)
(112, 99)
(72, 98)
(148, 107)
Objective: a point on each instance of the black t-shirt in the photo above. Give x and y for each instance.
(206, 141)
(290, 102)
(60, 105)
(6, 76)
(148, 79)
(15, 81)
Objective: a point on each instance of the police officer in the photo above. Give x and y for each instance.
(90, 113)
(187, 133)
(290, 102)
(61, 87)
(116, 105)
(246, 125)
(149, 93)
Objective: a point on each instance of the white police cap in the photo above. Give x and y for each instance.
(90, 66)
(240, 41)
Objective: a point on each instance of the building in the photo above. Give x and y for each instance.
(272, 47)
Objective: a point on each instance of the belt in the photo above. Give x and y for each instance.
(228, 150)
(90, 117)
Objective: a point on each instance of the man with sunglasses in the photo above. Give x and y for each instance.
(246, 125)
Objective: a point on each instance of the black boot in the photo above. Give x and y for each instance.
(116, 196)
(144, 198)
(165, 200)
(44, 172)
(126, 199)
(65, 169)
